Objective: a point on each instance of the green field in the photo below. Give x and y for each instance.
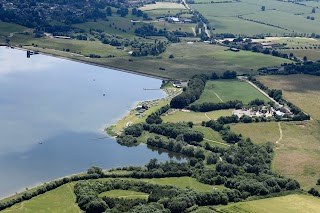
(127, 194)
(181, 182)
(189, 59)
(195, 117)
(297, 150)
(61, 199)
(246, 18)
(84, 48)
(227, 90)
(7, 28)
(162, 6)
(289, 203)
(258, 132)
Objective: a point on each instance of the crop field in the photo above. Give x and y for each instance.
(227, 90)
(279, 17)
(61, 199)
(297, 149)
(195, 117)
(127, 194)
(302, 90)
(289, 203)
(292, 23)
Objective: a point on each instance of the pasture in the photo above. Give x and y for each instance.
(290, 203)
(162, 6)
(7, 28)
(75, 46)
(61, 199)
(247, 18)
(259, 133)
(195, 117)
(302, 90)
(126, 194)
(181, 182)
(297, 149)
(227, 90)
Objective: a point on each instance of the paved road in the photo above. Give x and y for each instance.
(204, 25)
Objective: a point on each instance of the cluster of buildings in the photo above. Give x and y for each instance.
(263, 111)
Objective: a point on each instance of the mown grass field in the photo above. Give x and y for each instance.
(61, 199)
(302, 90)
(7, 28)
(195, 117)
(227, 90)
(181, 182)
(297, 152)
(259, 133)
(75, 46)
(126, 194)
(289, 203)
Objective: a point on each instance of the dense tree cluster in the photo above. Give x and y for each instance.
(308, 67)
(150, 30)
(209, 106)
(192, 92)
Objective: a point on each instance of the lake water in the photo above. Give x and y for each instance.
(53, 113)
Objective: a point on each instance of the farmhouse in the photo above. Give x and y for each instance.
(234, 49)
(62, 37)
(173, 19)
(270, 45)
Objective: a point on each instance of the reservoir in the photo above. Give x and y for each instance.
(53, 112)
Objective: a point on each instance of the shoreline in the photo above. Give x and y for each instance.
(24, 48)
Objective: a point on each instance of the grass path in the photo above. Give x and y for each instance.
(281, 134)
(207, 116)
(216, 142)
(218, 97)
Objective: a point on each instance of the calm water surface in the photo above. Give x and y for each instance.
(53, 113)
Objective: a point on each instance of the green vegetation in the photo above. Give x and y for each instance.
(195, 117)
(296, 147)
(126, 194)
(61, 199)
(302, 90)
(289, 203)
(258, 132)
(7, 28)
(182, 182)
(229, 90)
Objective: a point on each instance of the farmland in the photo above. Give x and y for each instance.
(227, 90)
(302, 90)
(279, 17)
(189, 59)
(289, 203)
(296, 152)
